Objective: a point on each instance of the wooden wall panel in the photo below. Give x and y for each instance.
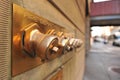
(81, 8)
(80, 64)
(71, 10)
(74, 69)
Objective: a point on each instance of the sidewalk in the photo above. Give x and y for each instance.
(100, 60)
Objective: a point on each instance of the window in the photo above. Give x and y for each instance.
(100, 0)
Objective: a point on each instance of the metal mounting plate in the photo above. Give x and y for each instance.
(21, 19)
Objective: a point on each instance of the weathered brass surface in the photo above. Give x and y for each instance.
(22, 21)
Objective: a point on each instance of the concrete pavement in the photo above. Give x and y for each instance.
(100, 61)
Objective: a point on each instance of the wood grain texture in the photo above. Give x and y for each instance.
(72, 12)
(81, 8)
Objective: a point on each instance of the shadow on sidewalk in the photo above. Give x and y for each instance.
(103, 63)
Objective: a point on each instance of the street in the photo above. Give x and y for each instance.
(100, 61)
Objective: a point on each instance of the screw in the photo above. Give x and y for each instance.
(55, 49)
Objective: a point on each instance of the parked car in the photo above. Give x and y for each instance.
(116, 39)
(116, 42)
